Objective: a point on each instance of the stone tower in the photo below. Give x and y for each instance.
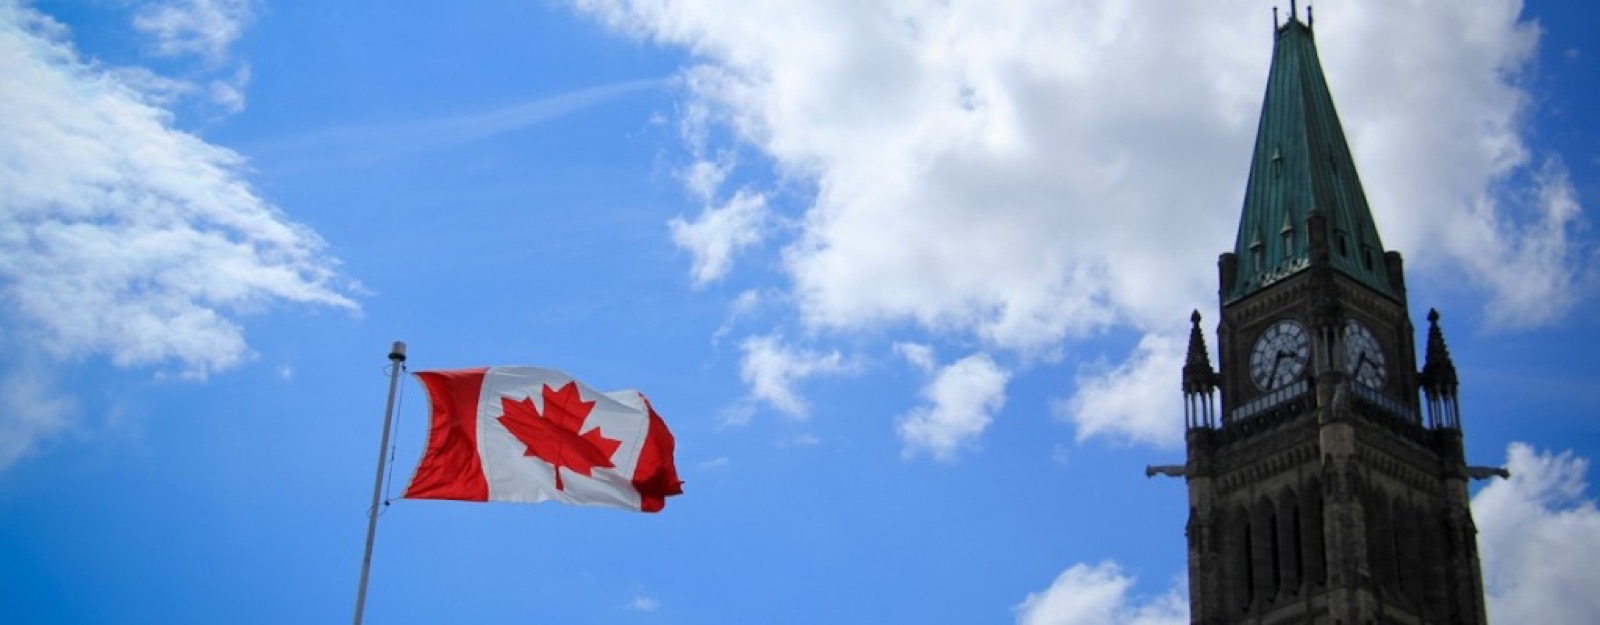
(1325, 471)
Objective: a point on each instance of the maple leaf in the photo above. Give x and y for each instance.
(554, 436)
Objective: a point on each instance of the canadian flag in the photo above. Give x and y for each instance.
(530, 434)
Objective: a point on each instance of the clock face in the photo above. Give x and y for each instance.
(1280, 355)
(1363, 357)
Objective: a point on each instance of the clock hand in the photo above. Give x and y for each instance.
(1272, 379)
(1363, 361)
(1278, 361)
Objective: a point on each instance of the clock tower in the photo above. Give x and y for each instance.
(1326, 476)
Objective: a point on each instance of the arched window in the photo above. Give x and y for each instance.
(1277, 554)
(1313, 547)
(1431, 540)
(1242, 577)
(1380, 541)
(1408, 548)
(1397, 516)
(1290, 537)
(1264, 550)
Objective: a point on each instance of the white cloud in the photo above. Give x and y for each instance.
(155, 89)
(1060, 454)
(1032, 172)
(744, 304)
(919, 355)
(1539, 537)
(1127, 402)
(31, 412)
(352, 145)
(703, 177)
(641, 603)
(712, 464)
(122, 236)
(1525, 270)
(1439, 126)
(801, 440)
(229, 93)
(960, 402)
(1099, 595)
(771, 369)
(206, 28)
(978, 166)
(719, 232)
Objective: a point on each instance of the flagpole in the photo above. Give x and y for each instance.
(397, 359)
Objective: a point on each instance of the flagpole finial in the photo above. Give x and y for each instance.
(398, 351)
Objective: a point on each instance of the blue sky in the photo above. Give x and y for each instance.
(909, 281)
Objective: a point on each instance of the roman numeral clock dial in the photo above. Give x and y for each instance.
(1363, 357)
(1280, 355)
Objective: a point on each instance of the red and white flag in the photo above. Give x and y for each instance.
(530, 434)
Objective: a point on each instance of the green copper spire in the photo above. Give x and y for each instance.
(1302, 164)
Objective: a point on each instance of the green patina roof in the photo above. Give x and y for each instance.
(1301, 164)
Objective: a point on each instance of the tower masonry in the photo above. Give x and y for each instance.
(1325, 468)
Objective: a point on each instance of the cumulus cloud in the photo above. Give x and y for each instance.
(201, 27)
(712, 464)
(155, 89)
(229, 93)
(963, 156)
(719, 232)
(1099, 595)
(1125, 402)
(1526, 270)
(31, 412)
(122, 236)
(1439, 125)
(641, 603)
(919, 355)
(960, 401)
(1539, 537)
(1029, 173)
(204, 30)
(771, 368)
